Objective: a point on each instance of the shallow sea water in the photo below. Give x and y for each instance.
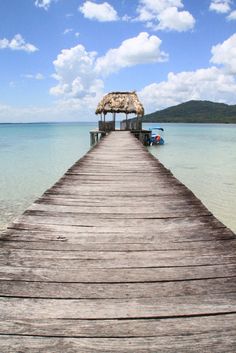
(34, 156)
(203, 157)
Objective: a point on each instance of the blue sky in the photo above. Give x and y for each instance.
(59, 57)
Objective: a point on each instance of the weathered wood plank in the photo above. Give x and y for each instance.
(108, 201)
(112, 220)
(129, 192)
(210, 342)
(117, 290)
(128, 259)
(179, 209)
(187, 228)
(113, 275)
(155, 307)
(71, 242)
(195, 327)
(145, 211)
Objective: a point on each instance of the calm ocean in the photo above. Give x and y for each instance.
(34, 156)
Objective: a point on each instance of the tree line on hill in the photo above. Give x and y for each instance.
(194, 111)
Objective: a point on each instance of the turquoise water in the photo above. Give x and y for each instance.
(203, 157)
(34, 156)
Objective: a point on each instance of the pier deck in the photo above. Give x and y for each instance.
(118, 256)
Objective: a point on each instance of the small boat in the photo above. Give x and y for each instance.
(156, 136)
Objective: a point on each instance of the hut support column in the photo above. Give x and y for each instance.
(114, 120)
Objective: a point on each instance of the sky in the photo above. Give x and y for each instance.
(59, 57)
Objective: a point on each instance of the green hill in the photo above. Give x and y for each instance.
(195, 112)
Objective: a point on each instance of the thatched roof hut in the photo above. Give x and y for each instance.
(120, 102)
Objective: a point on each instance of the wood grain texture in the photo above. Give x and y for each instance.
(184, 326)
(118, 256)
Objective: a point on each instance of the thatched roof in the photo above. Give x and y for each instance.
(120, 102)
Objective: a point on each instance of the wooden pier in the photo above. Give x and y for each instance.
(118, 256)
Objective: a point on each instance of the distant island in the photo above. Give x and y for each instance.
(194, 111)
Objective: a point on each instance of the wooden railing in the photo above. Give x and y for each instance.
(131, 125)
(106, 126)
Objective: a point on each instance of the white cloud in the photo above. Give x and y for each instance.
(71, 30)
(68, 30)
(150, 9)
(17, 43)
(232, 16)
(75, 74)
(37, 76)
(126, 18)
(45, 4)
(101, 12)
(138, 50)
(172, 19)
(213, 83)
(225, 54)
(79, 73)
(62, 110)
(220, 6)
(206, 84)
(165, 15)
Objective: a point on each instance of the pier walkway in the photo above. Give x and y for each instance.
(118, 256)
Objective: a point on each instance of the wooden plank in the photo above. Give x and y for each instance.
(108, 201)
(187, 228)
(117, 290)
(112, 275)
(110, 205)
(56, 242)
(195, 327)
(210, 342)
(111, 221)
(71, 212)
(179, 208)
(12, 308)
(106, 259)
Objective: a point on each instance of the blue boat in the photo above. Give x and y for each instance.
(156, 136)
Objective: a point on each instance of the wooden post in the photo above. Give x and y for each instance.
(114, 120)
(91, 138)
